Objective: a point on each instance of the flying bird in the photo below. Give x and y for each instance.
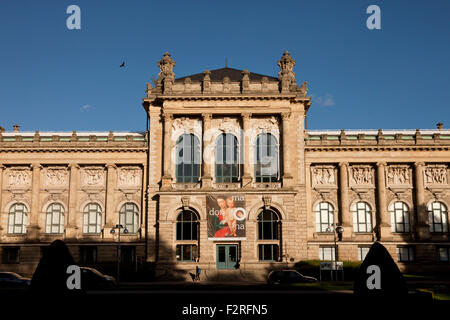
(123, 64)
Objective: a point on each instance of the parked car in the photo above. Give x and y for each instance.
(92, 279)
(288, 276)
(13, 280)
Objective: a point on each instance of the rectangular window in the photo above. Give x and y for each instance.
(268, 252)
(128, 254)
(362, 252)
(11, 255)
(444, 254)
(405, 254)
(327, 253)
(88, 255)
(186, 252)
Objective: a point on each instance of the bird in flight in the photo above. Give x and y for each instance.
(123, 64)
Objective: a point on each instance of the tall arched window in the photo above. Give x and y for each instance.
(399, 217)
(54, 223)
(129, 217)
(269, 235)
(18, 219)
(188, 158)
(324, 216)
(267, 164)
(92, 218)
(362, 217)
(227, 158)
(187, 236)
(437, 217)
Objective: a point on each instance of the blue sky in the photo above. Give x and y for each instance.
(57, 79)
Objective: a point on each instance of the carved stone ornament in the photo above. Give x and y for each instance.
(398, 175)
(56, 177)
(323, 176)
(286, 64)
(270, 125)
(436, 175)
(186, 125)
(185, 202)
(19, 178)
(267, 200)
(227, 125)
(361, 176)
(166, 65)
(93, 177)
(129, 177)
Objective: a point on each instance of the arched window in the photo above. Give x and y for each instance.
(129, 217)
(188, 158)
(399, 217)
(187, 224)
(266, 167)
(269, 231)
(324, 216)
(362, 217)
(17, 219)
(54, 219)
(437, 217)
(92, 218)
(227, 158)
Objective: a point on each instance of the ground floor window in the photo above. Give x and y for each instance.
(128, 254)
(88, 255)
(11, 255)
(268, 252)
(362, 252)
(405, 254)
(444, 254)
(186, 252)
(327, 253)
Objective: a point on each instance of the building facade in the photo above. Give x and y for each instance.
(228, 178)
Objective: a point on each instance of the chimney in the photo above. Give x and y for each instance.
(440, 126)
(16, 128)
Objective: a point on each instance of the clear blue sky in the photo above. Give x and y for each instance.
(52, 78)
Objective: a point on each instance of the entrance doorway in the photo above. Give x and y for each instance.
(226, 256)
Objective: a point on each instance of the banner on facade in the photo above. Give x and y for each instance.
(226, 215)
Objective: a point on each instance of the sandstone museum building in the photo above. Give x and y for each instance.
(228, 178)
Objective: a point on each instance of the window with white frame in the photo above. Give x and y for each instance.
(18, 219)
(399, 217)
(188, 158)
(327, 253)
(227, 158)
(129, 217)
(362, 217)
(437, 217)
(405, 254)
(444, 254)
(362, 252)
(92, 218)
(324, 212)
(267, 163)
(54, 223)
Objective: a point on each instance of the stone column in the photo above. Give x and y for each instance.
(35, 206)
(422, 225)
(247, 174)
(287, 177)
(72, 226)
(167, 160)
(384, 221)
(206, 152)
(110, 219)
(344, 209)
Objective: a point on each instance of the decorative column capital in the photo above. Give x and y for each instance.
(285, 115)
(343, 164)
(36, 166)
(418, 164)
(168, 116)
(74, 166)
(381, 164)
(246, 116)
(110, 166)
(207, 116)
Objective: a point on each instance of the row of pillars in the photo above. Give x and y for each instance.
(422, 226)
(206, 169)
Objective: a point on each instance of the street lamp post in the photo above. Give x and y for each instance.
(336, 229)
(113, 230)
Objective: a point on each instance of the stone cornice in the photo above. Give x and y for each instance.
(378, 148)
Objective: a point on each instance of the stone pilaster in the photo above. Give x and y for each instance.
(287, 177)
(72, 227)
(1, 195)
(35, 206)
(206, 152)
(422, 226)
(167, 160)
(344, 210)
(110, 219)
(247, 176)
(384, 221)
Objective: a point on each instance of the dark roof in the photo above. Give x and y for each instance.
(219, 74)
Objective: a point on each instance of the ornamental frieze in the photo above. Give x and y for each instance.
(56, 177)
(129, 176)
(323, 176)
(398, 175)
(93, 177)
(19, 178)
(436, 174)
(361, 176)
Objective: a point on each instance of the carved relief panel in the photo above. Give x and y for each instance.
(18, 178)
(129, 177)
(361, 176)
(186, 125)
(436, 175)
(93, 177)
(324, 176)
(56, 177)
(398, 176)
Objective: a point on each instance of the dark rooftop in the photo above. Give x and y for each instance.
(233, 74)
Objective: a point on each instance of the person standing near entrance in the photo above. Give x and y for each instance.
(197, 273)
